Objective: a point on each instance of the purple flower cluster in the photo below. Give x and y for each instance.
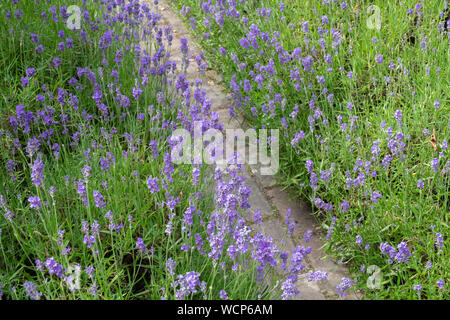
(31, 290)
(54, 268)
(317, 276)
(402, 255)
(152, 184)
(99, 199)
(345, 284)
(35, 202)
(186, 284)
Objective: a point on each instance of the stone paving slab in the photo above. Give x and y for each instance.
(309, 290)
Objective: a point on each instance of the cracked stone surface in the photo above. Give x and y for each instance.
(265, 196)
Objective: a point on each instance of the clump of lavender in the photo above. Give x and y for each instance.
(170, 266)
(317, 276)
(402, 255)
(35, 202)
(307, 236)
(54, 268)
(140, 245)
(37, 172)
(152, 184)
(99, 199)
(289, 289)
(439, 242)
(31, 290)
(345, 284)
(223, 295)
(187, 284)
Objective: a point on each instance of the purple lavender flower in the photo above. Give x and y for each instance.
(375, 196)
(152, 184)
(331, 228)
(359, 240)
(345, 206)
(8, 215)
(93, 289)
(420, 184)
(54, 267)
(244, 43)
(184, 46)
(187, 284)
(437, 104)
(25, 81)
(88, 240)
(435, 164)
(398, 116)
(39, 49)
(309, 165)
(307, 236)
(317, 276)
(99, 199)
(31, 290)
(386, 248)
(86, 171)
(223, 295)
(90, 271)
(56, 62)
(257, 217)
(170, 265)
(37, 172)
(137, 91)
(30, 72)
(289, 289)
(345, 284)
(39, 265)
(440, 283)
(439, 241)
(35, 202)
(298, 136)
(379, 59)
(34, 37)
(403, 253)
(142, 248)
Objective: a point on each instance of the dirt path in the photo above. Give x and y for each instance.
(265, 195)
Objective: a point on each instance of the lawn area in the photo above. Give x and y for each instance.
(359, 91)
